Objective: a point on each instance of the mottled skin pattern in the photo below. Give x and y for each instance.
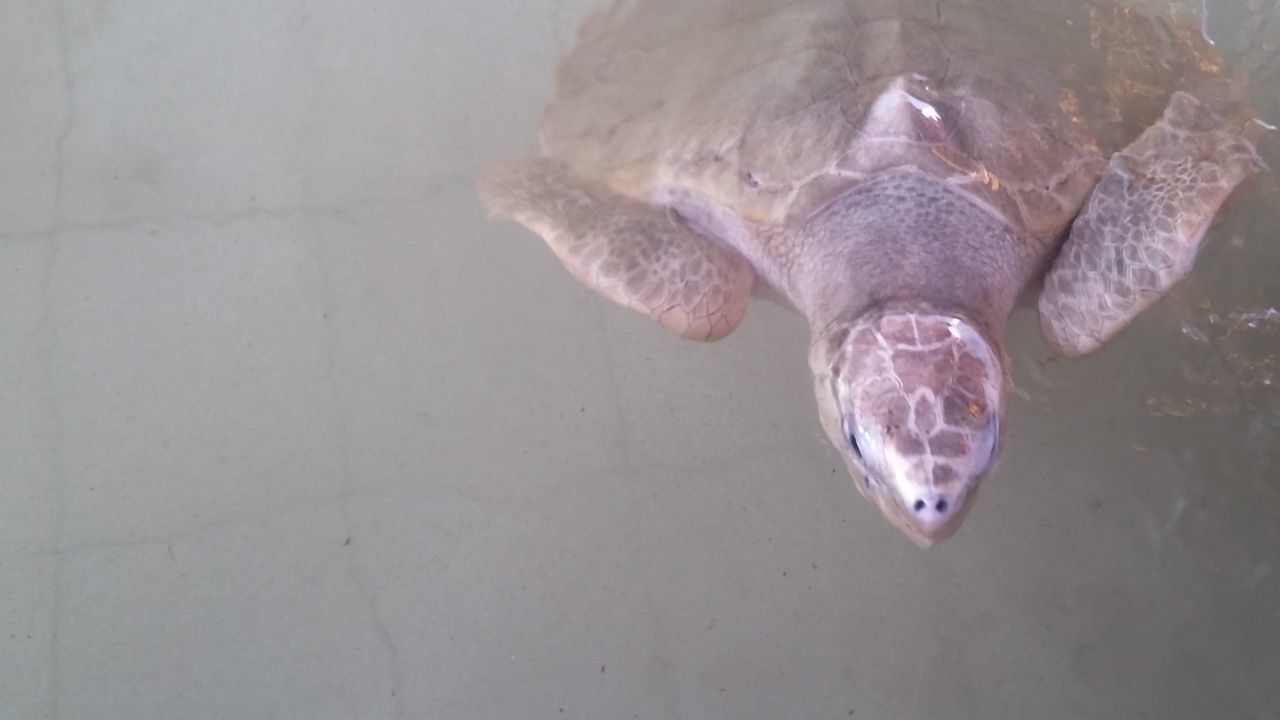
(926, 398)
(900, 171)
(636, 254)
(1139, 234)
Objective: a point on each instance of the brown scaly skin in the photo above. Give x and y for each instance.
(908, 371)
(900, 172)
(1189, 159)
(913, 401)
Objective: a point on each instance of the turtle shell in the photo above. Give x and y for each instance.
(770, 108)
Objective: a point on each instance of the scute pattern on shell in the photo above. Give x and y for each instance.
(771, 108)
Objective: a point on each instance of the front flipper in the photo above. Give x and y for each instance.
(638, 255)
(1143, 224)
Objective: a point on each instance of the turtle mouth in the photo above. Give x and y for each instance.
(869, 485)
(885, 495)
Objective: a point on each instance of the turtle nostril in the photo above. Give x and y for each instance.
(941, 507)
(918, 505)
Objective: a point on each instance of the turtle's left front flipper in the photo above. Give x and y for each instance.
(1140, 231)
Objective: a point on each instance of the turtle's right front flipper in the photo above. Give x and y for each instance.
(1140, 231)
(640, 256)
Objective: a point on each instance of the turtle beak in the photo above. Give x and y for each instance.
(934, 528)
(924, 525)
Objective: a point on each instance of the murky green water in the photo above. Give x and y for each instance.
(290, 429)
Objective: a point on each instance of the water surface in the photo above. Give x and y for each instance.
(291, 429)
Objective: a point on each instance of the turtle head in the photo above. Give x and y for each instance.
(913, 402)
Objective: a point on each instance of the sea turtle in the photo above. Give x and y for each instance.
(900, 171)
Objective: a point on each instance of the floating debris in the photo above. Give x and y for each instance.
(1185, 407)
(1204, 22)
(1195, 333)
(1022, 394)
(1254, 318)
